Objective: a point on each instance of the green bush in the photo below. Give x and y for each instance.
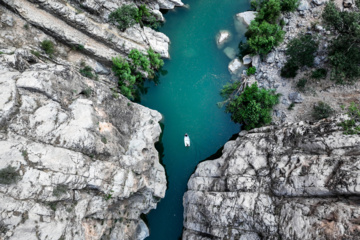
(124, 17)
(300, 52)
(322, 110)
(253, 107)
(351, 126)
(302, 49)
(131, 75)
(301, 84)
(127, 15)
(48, 47)
(244, 49)
(289, 5)
(60, 190)
(344, 49)
(87, 71)
(262, 37)
(144, 17)
(251, 71)
(8, 175)
(269, 11)
(319, 73)
(289, 70)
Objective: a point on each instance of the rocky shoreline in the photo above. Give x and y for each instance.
(288, 180)
(83, 155)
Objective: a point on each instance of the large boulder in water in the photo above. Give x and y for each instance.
(246, 17)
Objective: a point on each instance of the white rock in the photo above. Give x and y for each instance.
(223, 37)
(247, 59)
(246, 17)
(235, 66)
(304, 5)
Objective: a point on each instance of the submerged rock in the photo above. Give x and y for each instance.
(295, 181)
(230, 52)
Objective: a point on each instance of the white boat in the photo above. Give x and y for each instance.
(187, 140)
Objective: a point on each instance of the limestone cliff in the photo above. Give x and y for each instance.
(296, 181)
(84, 156)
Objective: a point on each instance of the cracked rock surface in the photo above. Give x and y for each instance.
(87, 162)
(294, 181)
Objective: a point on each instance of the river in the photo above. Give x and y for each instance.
(186, 97)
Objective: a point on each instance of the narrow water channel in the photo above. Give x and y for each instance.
(187, 97)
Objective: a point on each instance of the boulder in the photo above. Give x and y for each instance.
(304, 5)
(247, 59)
(223, 37)
(234, 66)
(255, 61)
(230, 52)
(348, 3)
(295, 97)
(246, 17)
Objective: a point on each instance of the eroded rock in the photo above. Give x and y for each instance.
(293, 181)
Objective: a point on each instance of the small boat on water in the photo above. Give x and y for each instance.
(187, 140)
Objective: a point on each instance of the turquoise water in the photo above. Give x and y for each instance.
(187, 97)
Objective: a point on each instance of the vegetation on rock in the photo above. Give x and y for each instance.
(48, 47)
(300, 52)
(251, 71)
(351, 126)
(131, 74)
(344, 49)
(264, 32)
(8, 175)
(253, 107)
(127, 15)
(322, 110)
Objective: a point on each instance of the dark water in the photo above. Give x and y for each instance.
(187, 97)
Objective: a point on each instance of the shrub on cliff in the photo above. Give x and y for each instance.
(253, 107)
(289, 5)
(344, 49)
(127, 15)
(322, 110)
(131, 73)
(300, 52)
(48, 47)
(124, 16)
(351, 126)
(262, 37)
(8, 175)
(264, 32)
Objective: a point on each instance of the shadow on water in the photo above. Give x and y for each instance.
(159, 146)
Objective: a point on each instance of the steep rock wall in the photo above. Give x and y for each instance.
(85, 157)
(296, 181)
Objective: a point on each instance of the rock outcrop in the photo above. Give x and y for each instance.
(295, 181)
(82, 157)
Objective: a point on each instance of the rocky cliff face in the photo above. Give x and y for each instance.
(297, 181)
(82, 157)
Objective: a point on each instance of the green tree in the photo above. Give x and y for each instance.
(264, 36)
(344, 50)
(300, 52)
(289, 5)
(253, 107)
(124, 17)
(269, 11)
